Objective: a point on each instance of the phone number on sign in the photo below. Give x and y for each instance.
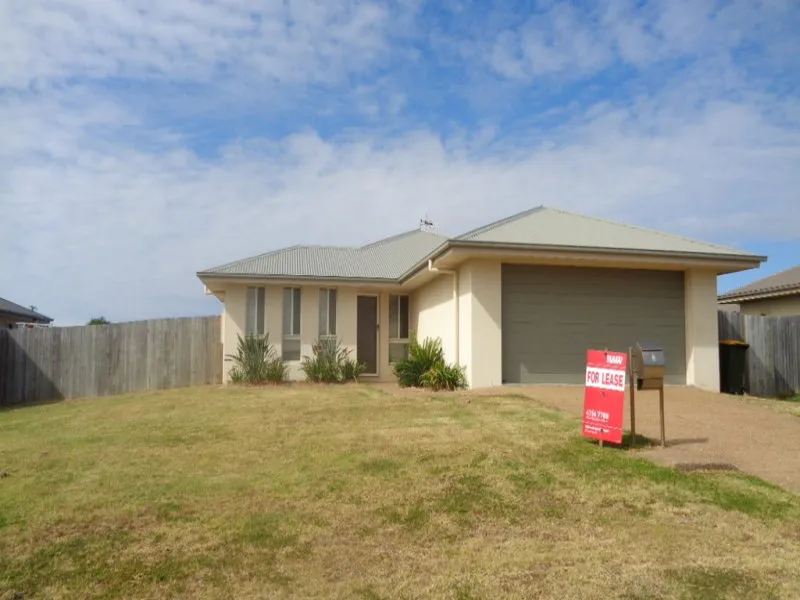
(597, 415)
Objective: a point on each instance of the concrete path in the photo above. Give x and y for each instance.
(702, 427)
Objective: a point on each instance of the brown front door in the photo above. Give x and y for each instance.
(367, 333)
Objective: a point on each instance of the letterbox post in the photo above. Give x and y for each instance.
(661, 409)
(632, 387)
(651, 366)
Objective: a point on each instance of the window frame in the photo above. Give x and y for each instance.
(328, 294)
(395, 338)
(295, 320)
(255, 311)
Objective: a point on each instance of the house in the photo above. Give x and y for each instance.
(516, 301)
(11, 314)
(774, 296)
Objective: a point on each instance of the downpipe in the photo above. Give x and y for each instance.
(454, 273)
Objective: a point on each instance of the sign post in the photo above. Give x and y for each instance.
(604, 400)
(633, 396)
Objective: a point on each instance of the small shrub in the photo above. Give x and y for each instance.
(422, 357)
(444, 377)
(331, 363)
(276, 370)
(426, 367)
(352, 369)
(256, 362)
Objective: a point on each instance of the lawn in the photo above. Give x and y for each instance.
(356, 492)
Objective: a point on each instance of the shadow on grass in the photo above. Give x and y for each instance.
(629, 442)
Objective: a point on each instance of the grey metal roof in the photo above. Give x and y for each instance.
(20, 313)
(552, 227)
(781, 283)
(395, 257)
(386, 259)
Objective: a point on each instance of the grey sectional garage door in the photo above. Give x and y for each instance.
(552, 315)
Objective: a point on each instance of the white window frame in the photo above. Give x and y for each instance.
(255, 311)
(292, 335)
(395, 336)
(325, 295)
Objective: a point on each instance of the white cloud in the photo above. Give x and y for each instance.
(563, 40)
(121, 230)
(109, 207)
(289, 41)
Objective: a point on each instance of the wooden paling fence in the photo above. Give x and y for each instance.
(50, 363)
(773, 359)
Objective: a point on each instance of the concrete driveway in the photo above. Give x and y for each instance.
(703, 427)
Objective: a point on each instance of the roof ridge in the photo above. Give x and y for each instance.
(397, 236)
(645, 229)
(496, 224)
(323, 247)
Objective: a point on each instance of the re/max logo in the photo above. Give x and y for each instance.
(614, 359)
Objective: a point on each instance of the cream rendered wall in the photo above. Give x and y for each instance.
(479, 319)
(480, 322)
(702, 337)
(233, 322)
(432, 313)
(234, 315)
(782, 306)
(234, 319)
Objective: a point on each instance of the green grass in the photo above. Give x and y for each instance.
(350, 492)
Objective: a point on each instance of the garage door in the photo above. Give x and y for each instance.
(552, 315)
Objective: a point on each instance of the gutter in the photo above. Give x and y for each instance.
(454, 273)
(334, 279)
(19, 317)
(735, 258)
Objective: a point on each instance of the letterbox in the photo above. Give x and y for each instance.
(650, 366)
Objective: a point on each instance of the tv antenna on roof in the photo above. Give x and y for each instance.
(425, 224)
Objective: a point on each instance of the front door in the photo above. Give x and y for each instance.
(367, 333)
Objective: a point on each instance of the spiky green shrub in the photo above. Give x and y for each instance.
(277, 371)
(256, 362)
(330, 363)
(444, 377)
(352, 369)
(422, 357)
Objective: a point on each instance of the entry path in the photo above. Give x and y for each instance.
(701, 427)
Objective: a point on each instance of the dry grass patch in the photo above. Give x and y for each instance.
(351, 492)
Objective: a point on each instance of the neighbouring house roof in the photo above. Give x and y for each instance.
(20, 314)
(394, 258)
(781, 284)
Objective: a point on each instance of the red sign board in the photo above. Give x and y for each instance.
(604, 402)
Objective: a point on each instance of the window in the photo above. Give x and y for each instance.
(256, 301)
(398, 328)
(327, 313)
(291, 324)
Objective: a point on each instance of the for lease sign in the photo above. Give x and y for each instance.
(604, 399)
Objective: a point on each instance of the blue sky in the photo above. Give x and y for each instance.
(144, 141)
